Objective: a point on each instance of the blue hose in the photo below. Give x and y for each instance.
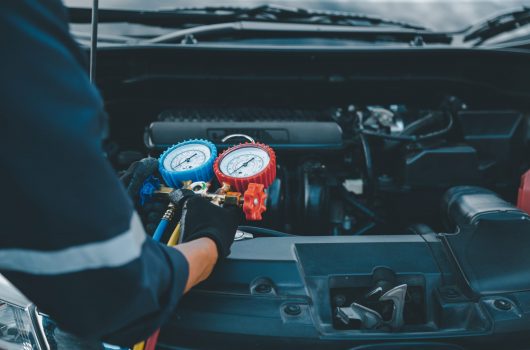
(161, 228)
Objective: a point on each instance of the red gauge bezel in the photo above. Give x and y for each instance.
(240, 184)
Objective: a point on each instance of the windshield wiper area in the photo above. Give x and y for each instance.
(203, 24)
(275, 13)
(257, 29)
(188, 16)
(497, 25)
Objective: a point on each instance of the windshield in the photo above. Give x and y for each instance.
(439, 15)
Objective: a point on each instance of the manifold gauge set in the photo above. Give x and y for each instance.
(243, 172)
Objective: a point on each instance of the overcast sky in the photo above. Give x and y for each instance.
(437, 14)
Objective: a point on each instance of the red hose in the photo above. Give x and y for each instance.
(523, 201)
(150, 344)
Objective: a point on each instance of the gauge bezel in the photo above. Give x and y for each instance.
(203, 172)
(241, 146)
(225, 161)
(265, 176)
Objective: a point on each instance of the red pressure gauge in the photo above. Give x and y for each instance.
(244, 164)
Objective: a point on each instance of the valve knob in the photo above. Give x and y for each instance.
(254, 202)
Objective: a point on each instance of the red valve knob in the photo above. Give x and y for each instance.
(523, 202)
(254, 202)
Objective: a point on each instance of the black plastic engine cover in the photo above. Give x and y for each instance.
(498, 137)
(491, 241)
(279, 135)
(441, 167)
(245, 303)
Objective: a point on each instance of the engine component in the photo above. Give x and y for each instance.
(441, 167)
(379, 117)
(276, 203)
(498, 137)
(381, 126)
(187, 161)
(246, 163)
(397, 296)
(364, 317)
(485, 223)
(313, 201)
(279, 135)
(384, 279)
(386, 154)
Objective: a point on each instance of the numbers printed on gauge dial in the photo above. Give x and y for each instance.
(244, 162)
(187, 157)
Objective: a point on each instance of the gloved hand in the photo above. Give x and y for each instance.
(133, 178)
(200, 218)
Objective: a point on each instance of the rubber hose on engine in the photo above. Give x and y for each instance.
(261, 231)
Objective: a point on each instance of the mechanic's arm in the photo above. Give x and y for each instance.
(208, 231)
(201, 255)
(70, 239)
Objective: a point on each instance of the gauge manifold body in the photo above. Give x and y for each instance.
(190, 160)
(244, 164)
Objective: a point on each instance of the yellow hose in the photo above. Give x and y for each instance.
(174, 239)
(139, 346)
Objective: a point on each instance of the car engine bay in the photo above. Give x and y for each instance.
(393, 214)
(357, 170)
(303, 175)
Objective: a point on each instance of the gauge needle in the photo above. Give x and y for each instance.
(243, 165)
(186, 160)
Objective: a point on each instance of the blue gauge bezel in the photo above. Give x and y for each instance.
(202, 173)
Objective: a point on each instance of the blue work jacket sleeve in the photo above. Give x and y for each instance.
(70, 239)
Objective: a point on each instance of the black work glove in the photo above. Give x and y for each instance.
(133, 178)
(200, 218)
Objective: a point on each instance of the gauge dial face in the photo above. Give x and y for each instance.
(244, 162)
(187, 157)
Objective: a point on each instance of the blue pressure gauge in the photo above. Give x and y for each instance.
(188, 160)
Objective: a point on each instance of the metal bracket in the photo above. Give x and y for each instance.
(369, 319)
(397, 296)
